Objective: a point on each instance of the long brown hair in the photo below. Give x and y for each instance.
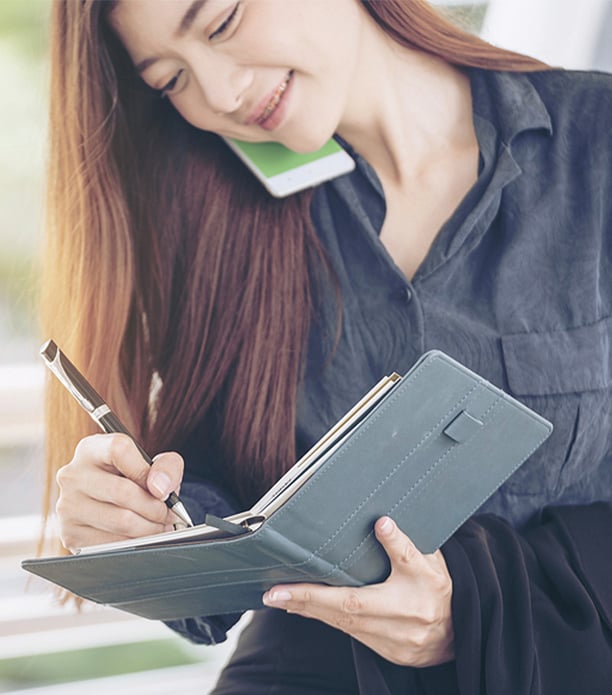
(165, 262)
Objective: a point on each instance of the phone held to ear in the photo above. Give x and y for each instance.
(283, 172)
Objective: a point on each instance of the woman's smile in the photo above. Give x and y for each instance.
(237, 68)
(269, 113)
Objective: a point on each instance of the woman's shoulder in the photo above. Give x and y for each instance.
(573, 80)
(580, 97)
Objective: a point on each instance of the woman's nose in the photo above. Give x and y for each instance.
(223, 84)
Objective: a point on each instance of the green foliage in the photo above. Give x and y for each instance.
(31, 671)
(18, 290)
(24, 23)
(17, 273)
(468, 17)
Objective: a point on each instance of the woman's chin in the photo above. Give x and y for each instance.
(305, 143)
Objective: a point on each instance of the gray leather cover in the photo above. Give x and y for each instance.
(428, 455)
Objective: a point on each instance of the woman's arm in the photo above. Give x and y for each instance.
(530, 613)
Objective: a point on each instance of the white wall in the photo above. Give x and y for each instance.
(564, 33)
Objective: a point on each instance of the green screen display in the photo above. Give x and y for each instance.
(273, 158)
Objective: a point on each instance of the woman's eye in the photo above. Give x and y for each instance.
(226, 23)
(169, 87)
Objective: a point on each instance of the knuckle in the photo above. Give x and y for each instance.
(346, 622)
(62, 475)
(117, 494)
(124, 522)
(301, 607)
(65, 531)
(60, 511)
(441, 584)
(60, 506)
(430, 614)
(408, 553)
(352, 603)
(120, 446)
(64, 511)
(68, 540)
(298, 607)
(419, 638)
(85, 449)
(82, 448)
(160, 513)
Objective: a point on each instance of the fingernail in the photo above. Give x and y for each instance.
(386, 526)
(161, 483)
(272, 597)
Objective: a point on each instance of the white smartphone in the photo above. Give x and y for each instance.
(284, 172)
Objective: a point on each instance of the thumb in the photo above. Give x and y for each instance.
(165, 475)
(402, 552)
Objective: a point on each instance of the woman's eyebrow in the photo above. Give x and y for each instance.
(189, 17)
(183, 27)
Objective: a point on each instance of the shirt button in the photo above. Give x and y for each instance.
(405, 295)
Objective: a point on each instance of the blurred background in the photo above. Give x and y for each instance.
(46, 648)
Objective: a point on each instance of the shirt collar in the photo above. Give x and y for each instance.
(504, 105)
(510, 101)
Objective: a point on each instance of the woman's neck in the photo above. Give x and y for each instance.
(406, 109)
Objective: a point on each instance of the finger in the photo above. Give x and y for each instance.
(126, 494)
(341, 607)
(115, 452)
(403, 554)
(104, 523)
(165, 475)
(104, 483)
(360, 612)
(86, 536)
(123, 522)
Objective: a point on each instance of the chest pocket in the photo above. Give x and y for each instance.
(566, 376)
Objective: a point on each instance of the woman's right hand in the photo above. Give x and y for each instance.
(108, 492)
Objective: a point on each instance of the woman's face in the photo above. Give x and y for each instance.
(256, 70)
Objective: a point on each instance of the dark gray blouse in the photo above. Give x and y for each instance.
(517, 285)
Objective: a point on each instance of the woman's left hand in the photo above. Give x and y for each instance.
(406, 619)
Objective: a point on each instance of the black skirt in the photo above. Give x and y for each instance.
(283, 654)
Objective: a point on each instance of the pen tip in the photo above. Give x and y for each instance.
(179, 509)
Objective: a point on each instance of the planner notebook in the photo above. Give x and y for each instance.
(426, 449)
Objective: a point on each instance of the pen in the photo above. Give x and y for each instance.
(91, 401)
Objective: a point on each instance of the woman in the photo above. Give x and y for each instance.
(477, 221)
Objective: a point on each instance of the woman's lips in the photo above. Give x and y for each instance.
(267, 113)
